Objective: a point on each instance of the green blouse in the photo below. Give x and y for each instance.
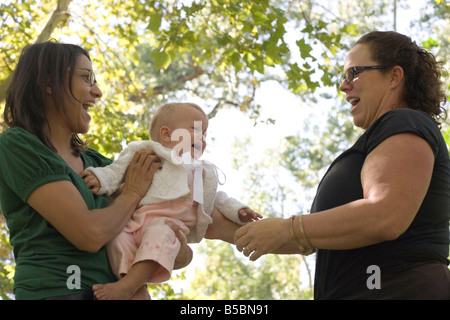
(47, 264)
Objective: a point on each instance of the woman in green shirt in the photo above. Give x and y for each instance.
(58, 228)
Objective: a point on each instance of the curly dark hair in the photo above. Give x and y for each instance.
(423, 85)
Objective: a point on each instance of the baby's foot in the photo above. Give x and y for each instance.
(111, 291)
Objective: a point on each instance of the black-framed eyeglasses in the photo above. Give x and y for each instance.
(91, 76)
(352, 72)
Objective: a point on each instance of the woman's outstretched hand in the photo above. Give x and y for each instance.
(261, 237)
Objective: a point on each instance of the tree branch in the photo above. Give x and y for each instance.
(60, 14)
(222, 103)
(155, 91)
(198, 71)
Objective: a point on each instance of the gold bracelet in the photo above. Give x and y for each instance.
(303, 251)
(310, 248)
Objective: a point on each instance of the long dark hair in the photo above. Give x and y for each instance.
(26, 97)
(423, 85)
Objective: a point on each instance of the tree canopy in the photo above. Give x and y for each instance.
(218, 53)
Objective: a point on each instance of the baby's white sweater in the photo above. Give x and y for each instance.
(171, 182)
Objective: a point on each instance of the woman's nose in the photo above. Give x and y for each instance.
(345, 86)
(96, 91)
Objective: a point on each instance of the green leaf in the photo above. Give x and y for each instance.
(161, 59)
(305, 49)
(155, 22)
(430, 43)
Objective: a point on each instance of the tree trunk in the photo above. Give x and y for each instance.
(60, 14)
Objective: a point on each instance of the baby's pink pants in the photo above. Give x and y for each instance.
(148, 236)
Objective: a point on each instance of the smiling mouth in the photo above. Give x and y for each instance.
(354, 101)
(87, 105)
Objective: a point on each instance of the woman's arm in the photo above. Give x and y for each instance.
(221, 228)
(185, 254)
(395, 179)
(61, 204)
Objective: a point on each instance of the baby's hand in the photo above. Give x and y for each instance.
(91, 181)
(248, 215)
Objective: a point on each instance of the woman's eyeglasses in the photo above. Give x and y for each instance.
(91, 76)
(352, 72)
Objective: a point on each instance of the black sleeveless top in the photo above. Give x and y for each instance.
(339, 272)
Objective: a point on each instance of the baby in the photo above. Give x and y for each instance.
(183, 194)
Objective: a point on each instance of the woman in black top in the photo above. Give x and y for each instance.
(381, 214)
